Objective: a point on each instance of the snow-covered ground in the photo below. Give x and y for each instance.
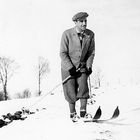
(52, 121)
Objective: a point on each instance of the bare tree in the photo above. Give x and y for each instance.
(43, 69)
(7, 69)
(97, 77)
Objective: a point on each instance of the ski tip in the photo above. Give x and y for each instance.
(98, 113)
(116, 112)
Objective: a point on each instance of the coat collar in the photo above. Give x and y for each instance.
(85, 38)
(86, 35)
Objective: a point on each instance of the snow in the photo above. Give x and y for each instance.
(52, 121)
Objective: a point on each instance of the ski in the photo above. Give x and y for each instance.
(97, 116)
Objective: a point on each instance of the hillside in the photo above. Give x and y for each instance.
(52, 121)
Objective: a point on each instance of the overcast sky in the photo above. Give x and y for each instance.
(32, 28)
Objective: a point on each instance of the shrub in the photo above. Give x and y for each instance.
(26, 93)
(18, 95)
(1, 96)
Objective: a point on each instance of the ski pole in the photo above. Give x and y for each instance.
(91, 101)
(89, 87)
(42, 97)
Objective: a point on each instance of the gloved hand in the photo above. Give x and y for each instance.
(72, 71)
(89, 71)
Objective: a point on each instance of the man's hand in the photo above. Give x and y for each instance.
(89, 71)
(72, 71)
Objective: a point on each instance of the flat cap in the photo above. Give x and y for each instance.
(79, 16)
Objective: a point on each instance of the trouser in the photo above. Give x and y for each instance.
(75, 88)
(83, 105)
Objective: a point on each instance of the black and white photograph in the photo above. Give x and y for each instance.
(69, 69)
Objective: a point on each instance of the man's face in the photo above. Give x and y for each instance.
(81, 24)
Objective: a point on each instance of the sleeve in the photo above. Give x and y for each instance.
(64, 52)
(91, 53)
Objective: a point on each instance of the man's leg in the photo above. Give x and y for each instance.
(72, 109)
(70, 92)
(83, 93)
(83, 108)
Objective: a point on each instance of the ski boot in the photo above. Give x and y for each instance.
(74, 117)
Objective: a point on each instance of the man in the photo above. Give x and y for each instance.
(77, 52)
